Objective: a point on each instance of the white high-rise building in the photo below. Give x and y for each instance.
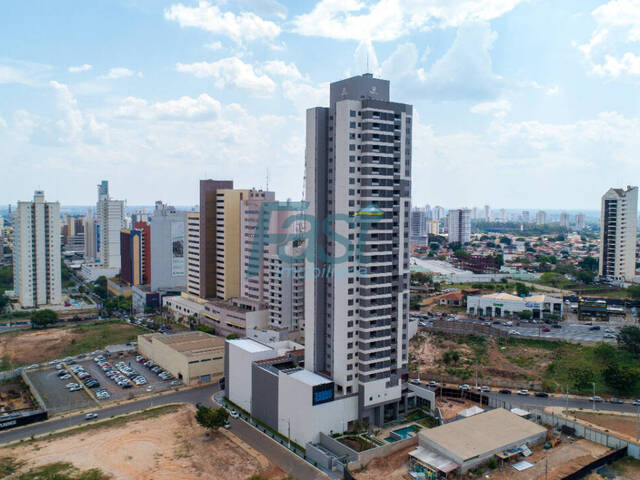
(579, 221)
(428, 212)
(193, 253)
(565, 220)
(459, 226)
(487, 213)
(438, 213)
(358, 166)
(36, 253)
(618, 230)
(525, 216)
(109, 221)
(418, 226)
(541, 217)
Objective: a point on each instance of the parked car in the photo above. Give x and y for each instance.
(595, 327)
(485, 388)
(609, 335)
(523, 392)
(233, 414)
(505, 391)
(432, 383)
(541, 394)
(556, 325)
(91, 416)
(595, 398)
(415, 381)
(636, 402)
(464, 387)
(546, 329)
(615, 400)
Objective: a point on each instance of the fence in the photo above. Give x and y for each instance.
(485, 381)
(587, 469)
(579, 430)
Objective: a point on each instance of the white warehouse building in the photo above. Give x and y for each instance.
(507, 305)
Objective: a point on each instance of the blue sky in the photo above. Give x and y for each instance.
(519, 103)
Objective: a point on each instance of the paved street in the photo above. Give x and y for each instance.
(281, 456)
(571, 332)
(202, 394)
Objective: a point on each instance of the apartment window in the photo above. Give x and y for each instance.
(352, 124)
(352, 136)
(352, 113)
(352, 147)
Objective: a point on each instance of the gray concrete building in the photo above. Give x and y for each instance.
(168, 247)
(358, 165)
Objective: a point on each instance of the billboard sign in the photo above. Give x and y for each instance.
(177, 249)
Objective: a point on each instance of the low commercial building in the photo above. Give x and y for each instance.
(455, 448)
(270, 384)
(142, 297)
(507, 305)
(193, 357)
(235, 315)
(184, 306)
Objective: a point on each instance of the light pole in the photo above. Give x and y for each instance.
(593, 399)
(567, 398)
(638, 424)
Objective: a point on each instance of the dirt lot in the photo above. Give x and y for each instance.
(504, 364)
(36, 346)
(560, 461)
(624, 424)
(165, 447)
(451, 407)
(391, 467)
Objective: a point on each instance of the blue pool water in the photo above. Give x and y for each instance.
(391, 439)
(406, 431)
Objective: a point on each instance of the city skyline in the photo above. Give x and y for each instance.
(207, 83)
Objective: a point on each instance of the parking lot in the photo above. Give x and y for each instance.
(154, 383)
(55, 396)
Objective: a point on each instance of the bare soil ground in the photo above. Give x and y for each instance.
(501, 363)
(165, 447)
(450, 408)
(36, 346)
(391, 467)
(560, 461)
(624, 424)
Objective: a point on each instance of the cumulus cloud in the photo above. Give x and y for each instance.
(387, 20)
(202, 107)
(617, 32)
(231, 71)
(80, 68)
(498, 108)
(279, 68)
(245, 26)
(119, 72)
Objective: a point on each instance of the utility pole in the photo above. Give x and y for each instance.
(567, 398)
(638, 424)
(593, 399)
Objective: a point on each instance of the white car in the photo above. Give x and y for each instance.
(485, 388)
(233, 414)
(415, 381)
(523, 392)
(91, 416)
(464, 386)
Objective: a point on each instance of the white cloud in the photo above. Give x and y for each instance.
(245, 26)
(230, 71)
(214, 46)
(119, 72)
(365, 58)
(202, 107)
(387, 20)
(628, 63)
(80, 68)
(305, 95)
(279, 68)
(498, 108)
(266, 8)
(617, 31)
(26, 73)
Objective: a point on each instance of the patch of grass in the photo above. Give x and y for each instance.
(98, 335)
(9, 466)
(62, 471)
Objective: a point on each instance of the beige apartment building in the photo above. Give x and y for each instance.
(193, 357)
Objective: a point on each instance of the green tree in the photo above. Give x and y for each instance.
(43, 318)
(621, 378)
(4, 301)
(629, 339)
(522, 289)
(451, 357)
(505, 240)
(589, 263)
(100, 287)
(634, 291)
(210, 418)
(581, 378)
(585, 276)
(525, 315)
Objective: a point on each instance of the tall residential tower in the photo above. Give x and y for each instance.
(618, 230)
(358, 166)
(36, 253)
(109, 222)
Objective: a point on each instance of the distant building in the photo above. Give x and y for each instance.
(565, 220)
(418, 227)
(487, 213)
(168, 247)
(525, 216)
(131, 256)
(618, 231)
(507, 305)
(502, 215)
(459, 226)
(36, 253)
(433, 227)
(579, 224)
(428, 212)
(109, 222)
(541, 218)
(438, 213)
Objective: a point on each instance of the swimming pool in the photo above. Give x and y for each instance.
(406, 432)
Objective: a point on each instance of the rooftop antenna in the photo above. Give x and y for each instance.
(267, 189)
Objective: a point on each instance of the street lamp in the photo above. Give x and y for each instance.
(593, 399)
